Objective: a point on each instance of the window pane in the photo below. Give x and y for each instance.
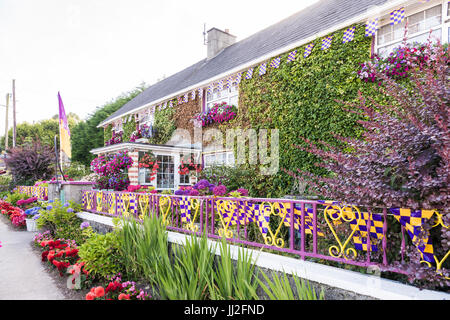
(385, 34)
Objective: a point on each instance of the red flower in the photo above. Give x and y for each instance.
(90, 296)
(99, 292)
(124, 296)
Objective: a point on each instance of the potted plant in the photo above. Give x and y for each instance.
(31, 216)
(190, 167)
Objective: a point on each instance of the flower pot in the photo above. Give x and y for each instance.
(31, 225)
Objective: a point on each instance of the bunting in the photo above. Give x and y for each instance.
(326, 43)
(193, 94)
(239, 77)
(229, 82)
(249, 74)
(186, 98)
(262, 69)
(276, 63)
(371, 27)
(291, 56)
(397, 16)
(308, 50)
(200, 93)
(349, 35)
(220, 85)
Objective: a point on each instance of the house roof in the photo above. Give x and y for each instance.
(316, 18)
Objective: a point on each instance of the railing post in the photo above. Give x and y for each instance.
(384, 237)
(302, 240)
(315, 228)
(369, 222)
(292, 230)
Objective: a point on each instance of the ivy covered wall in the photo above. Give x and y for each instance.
(298, 98)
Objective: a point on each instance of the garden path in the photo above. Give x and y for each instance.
(22, 276)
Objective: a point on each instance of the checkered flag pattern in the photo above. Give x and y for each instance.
(193, 93)
(210, 89)
(249, 74)
(262, 69)
(371, 27)
(360, 225)
(185, 210)
(349, 35)
(275, 63)
(412, 221)
(291, 56)
(186, 98)
(133, 204)
(239, 77)
(283, 210)
(308, 50)
(200, 93)
(229, 82)
(397, 16)
(326, 43)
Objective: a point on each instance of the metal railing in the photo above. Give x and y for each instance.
(34, 191)
(315, 230)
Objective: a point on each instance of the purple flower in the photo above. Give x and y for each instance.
(202, 184)
(84, 225)
(69, 210)
(243, 192)
(194, 193)
(219, 190)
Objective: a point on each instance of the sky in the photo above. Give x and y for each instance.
(92, 51)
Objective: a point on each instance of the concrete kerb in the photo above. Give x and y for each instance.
(367, 286)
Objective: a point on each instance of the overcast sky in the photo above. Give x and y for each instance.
(94, 50)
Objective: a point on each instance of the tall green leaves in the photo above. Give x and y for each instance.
(193, 271)
(280, 288)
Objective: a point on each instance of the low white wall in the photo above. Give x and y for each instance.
(366, 285)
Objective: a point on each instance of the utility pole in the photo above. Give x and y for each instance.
(6, 122)
(14, 111)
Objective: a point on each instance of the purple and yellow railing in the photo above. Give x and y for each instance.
(323, 230)
(39, 192)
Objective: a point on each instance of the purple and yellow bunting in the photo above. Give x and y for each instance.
(326, 43)
(308, 50)
(371, 27)
(262, 69)
(275, 63)
(249, 74)
(291, 56)
(349, 35)
(397, 16)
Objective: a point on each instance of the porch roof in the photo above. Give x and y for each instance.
(144, 147)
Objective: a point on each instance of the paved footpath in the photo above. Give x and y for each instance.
(22, 277)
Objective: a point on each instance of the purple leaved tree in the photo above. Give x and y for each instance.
(402, 159)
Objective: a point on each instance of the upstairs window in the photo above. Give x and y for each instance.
(420, 23)
(228, 95)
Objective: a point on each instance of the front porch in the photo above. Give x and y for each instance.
(169, 159)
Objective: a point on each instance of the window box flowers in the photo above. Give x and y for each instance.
(219, 113)
(115, 139)
(148, 161)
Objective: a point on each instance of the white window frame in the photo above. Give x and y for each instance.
(226, 95)
(148, 119)
(227, 156)
(444, 26)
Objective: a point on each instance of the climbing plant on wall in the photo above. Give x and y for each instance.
(299, 99)
(164, 125)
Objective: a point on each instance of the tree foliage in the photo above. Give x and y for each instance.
(30, 162)
(85, 136)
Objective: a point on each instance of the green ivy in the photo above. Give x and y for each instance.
(164, 125)
(299, 99)
(107, 133)
(128, 129)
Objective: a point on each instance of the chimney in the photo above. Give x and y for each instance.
(218, 40)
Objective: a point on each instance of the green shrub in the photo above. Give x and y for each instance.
(15, 196)
(76, 170)
(62, 221)
(5, 182)
(101, 255)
